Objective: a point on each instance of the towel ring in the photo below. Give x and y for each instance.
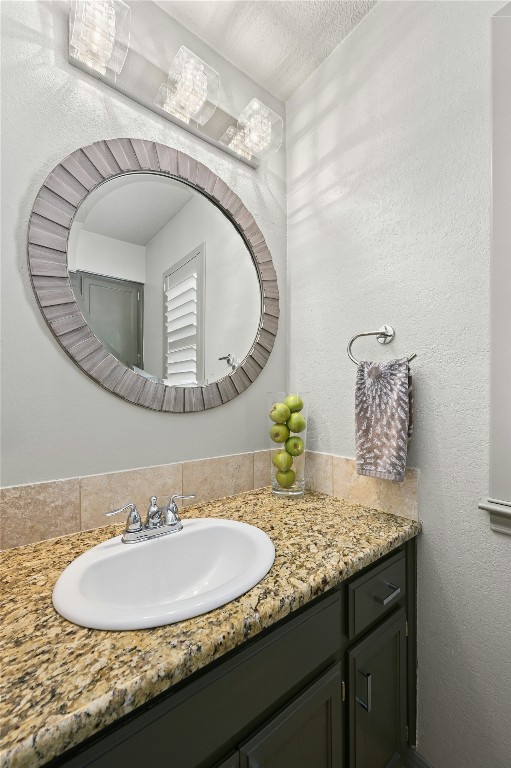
(384, 335)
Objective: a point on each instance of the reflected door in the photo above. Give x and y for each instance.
(183, 321)
(113, 309)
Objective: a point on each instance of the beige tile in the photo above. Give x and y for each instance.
(396, 498)
(215, 478)
(348, 485)
(262, 470)
(318, 472)
(101, 493)
(39, 511)
(400, 498)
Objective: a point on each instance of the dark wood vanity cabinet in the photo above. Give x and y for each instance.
(331, 686)
(232, 762)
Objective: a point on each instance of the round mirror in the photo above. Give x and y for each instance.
(164, 280)
(153, 275)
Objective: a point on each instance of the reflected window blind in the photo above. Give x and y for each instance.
(181, 329)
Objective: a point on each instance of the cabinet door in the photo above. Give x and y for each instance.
(306, 734)
(231, 762)
(377, 695)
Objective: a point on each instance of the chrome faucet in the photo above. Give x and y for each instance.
(159, 521)
(230, 360)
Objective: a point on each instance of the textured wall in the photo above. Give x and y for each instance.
(388, 206)
(500, 411)
(57, 423)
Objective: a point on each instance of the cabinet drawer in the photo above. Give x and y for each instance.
(375, 593)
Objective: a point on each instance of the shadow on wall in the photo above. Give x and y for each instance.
(342, 112)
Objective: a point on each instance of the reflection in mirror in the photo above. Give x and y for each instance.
(164, 279)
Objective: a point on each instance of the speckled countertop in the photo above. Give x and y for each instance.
(62, 683)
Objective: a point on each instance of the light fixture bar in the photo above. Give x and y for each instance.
(99, 42)
(147, 100)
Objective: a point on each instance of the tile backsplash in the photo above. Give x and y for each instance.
(223, 476)
(40, 511)
(60, 507)
(337, 476)
(101, 493)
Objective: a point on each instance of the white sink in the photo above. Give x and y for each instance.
(166, 579)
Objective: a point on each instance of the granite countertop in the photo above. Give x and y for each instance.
(62, 683)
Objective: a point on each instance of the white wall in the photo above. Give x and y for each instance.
(388, 205)
(103, 255)
(57, 422)
(232, 303)
(500, 410)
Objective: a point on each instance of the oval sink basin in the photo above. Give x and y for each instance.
(166, 579)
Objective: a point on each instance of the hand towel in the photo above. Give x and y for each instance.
(383, 418)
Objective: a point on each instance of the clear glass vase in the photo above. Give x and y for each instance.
(287, 425)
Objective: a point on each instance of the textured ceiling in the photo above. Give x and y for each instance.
(278, 43)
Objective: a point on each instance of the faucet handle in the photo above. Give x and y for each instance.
(229, 360)
(172, 513)
(133, 523)
(178, 496)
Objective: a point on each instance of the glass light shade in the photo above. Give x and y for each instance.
(99, 34)
(262, 128)
(191, 92)
(234, 138)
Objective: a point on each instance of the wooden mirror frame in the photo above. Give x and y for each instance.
(50, 222)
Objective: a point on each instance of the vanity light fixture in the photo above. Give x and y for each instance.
(100, 38)
(191, 91)
(99, 34)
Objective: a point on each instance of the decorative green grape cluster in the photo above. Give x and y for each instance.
(287, 418)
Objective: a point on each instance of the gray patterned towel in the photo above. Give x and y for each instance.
(383, 418)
